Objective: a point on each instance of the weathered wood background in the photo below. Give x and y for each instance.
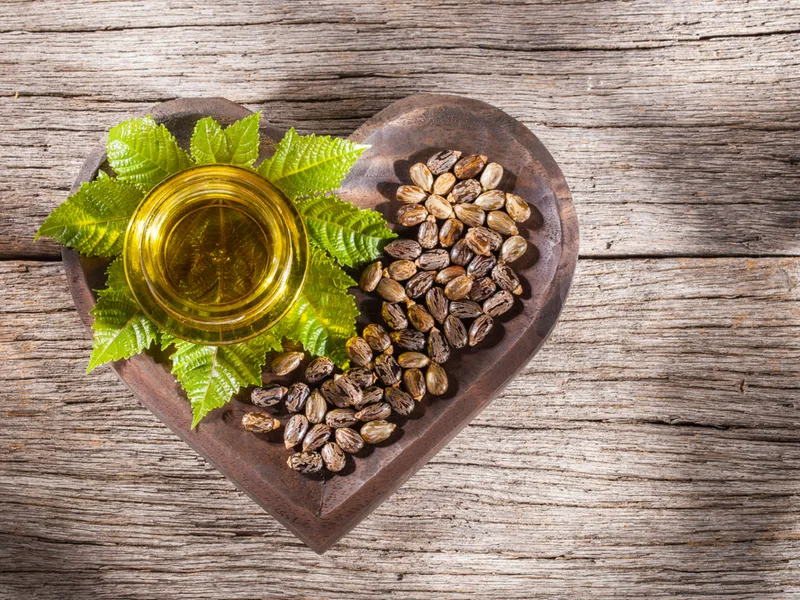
(650, 450)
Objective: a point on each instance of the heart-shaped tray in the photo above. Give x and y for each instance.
(321, 510)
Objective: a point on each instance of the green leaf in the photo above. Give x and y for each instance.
(236, 145)
(352, 235)
(93, 219)
(212, 375)
(144, 153)
(305, 165)
(121, 329)
(324, 315)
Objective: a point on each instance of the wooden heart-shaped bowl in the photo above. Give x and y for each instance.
(321, 510)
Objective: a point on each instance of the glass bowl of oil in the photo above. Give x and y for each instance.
(215, 254)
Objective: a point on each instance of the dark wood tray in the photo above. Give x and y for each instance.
(320, 511)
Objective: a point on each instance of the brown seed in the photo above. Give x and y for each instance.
(318, 369)
(334, 457)
(296, 397)
(465, 309)
(444, 183)
(409, 339)
(458, 288)
(491, 176)
(410, 194)
(401, 402)
(500, 222)
(390, 290)
(359, 351)
(480, 329)
(341, 417)
(316, 437)
(259, 423)
(376, 337)
(373, 412)
(394, 316)
(421, 176)
(286, 362)
(436, 379)
(491, 200)
(498, 304)
(455, 332)
(413, 360)
(420, 318)
(443, 161)
(433, 260)
(387, 369)
(504, 276)
(295, 430)
(305, 462)
(517, 208)
(269, 395)
(481, 266)
(438, 348)
(460, 253)
(470, 214)
(420, 283)
(349, 389)
(464, 191)
(437, 303)
(316, 407)
(372, 394)
(481, 289)
(349, 440)
(450, 232)
(477, 241)
(495, 239)
(333, 395)
(361, 376)
(371, 276)
(438, 207)
(409, 215)
(376, 432)
(469, 166)
(428, 233)
(403, 248)
(450, 273)
(513, 248)
(414, 382)
(400, 270)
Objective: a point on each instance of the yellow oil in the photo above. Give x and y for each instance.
(215, 254)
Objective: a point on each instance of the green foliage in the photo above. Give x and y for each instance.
(93, 219)
(235, 145)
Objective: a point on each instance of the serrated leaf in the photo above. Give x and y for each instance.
(212, 375)
(144, 153)
(324, 315)
(305, 165)
(121, 329)
(352, 235)
(93, 219)
(236, 145)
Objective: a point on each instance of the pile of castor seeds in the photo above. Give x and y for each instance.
(441, 290)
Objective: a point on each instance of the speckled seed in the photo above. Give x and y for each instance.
(491, 176)
(436, 379)
(387, 369)
(420, 283)
(498, 304)
(478, 242)
(437, 303)
(495, 239)
(438, 348)
(370, 276)
(480, 329)
(455, 332)
(296, 397)
(295, 430)
(443, 161)
(333, 457)
(349, 440)
(450, 273)
(414, 383)
(450, 232)
(506, 279)
(465, 309)
(409, 215)
(513, 248)
(286, 362)
(376, 432)
(361, 376)
(403, 248)
(444, 184)
(305, 462)
(394, 315)
(373, 412)
(401, 403)
(464, 191)
(409, 339)
(376, 337)
(517, 208)
(341, 417)
(420, 318)
(469, 166)
(413, 360)
(470, 214)
(400, 270)
(428, 233)
(421, 176)
(491, 200)
(316, 437)
(460, 253)
(481, 266)
(318, 369)
(359, 351)
(316, 407)
(349, 389)
(269, 395)
(411, 194)
(438, 207)
(332, 394)
(259, 423)
(458, 288)
(372, 394)
(481, 289)
(433, 260)
(500, 222)
(390, 290)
